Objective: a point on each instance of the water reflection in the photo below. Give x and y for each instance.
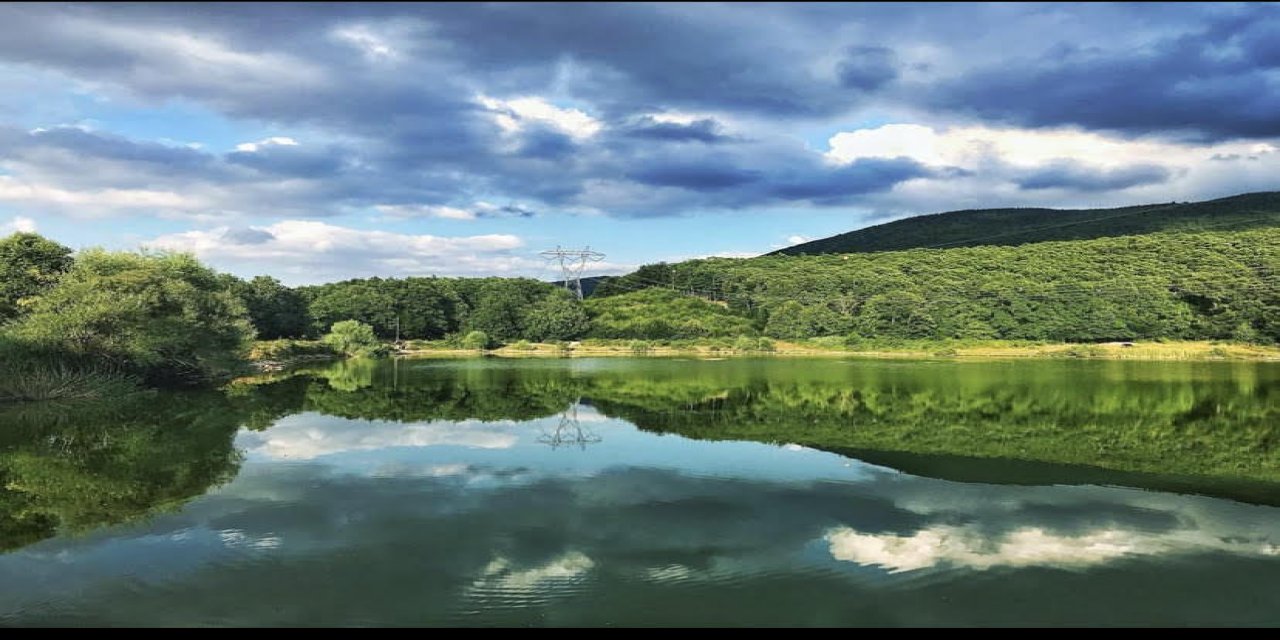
(429, 495)
(569, 431)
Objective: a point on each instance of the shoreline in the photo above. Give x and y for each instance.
(1190, 351)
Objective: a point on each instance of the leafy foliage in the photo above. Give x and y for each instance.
(275, 310)
(477, 340)
(557, 316)
(165, 317)
(29, 265)
(659, 314)
(507, 309)
(353, 338)
(1198, 286)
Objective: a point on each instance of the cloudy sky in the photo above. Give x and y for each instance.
(318, 142)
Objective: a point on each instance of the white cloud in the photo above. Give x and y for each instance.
(425, 211)
(312, 251)
(682, 117)
(510, 115)
(972, 147)
(994, 157)
(1022, 547)
(273, 141)
(373, 45)
(797, 239)
(20, 224)
(93, 201)
(303, 437)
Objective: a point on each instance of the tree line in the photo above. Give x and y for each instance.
(1195, 286)
(166, 318)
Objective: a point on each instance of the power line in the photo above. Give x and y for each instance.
(572, 263)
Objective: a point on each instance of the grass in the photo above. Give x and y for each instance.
(43, 381)
(954, 349)
(289, 350)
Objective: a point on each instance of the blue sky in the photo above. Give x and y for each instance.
(317, 142)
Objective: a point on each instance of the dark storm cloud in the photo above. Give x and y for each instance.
(835, 186)
(701, 130)
(868, 68)
(1211, 82)
(546, 144)
(397, 85)
(1070, 174)
(697, 177)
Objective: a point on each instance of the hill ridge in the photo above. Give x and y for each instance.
(979, 227)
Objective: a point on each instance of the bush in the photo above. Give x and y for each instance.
(286, 349)
(1084, 351)
(164, 317)
(353, 338)
(640, 347)
(477, 340)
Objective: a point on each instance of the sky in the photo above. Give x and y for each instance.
(318, 142)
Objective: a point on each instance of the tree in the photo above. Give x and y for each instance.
(558, 316)
(500, 309)
(165, 317)
(354, 338)
(896, 314)
(275, 310)
(477, 340)
(788, 321)
(29, 265)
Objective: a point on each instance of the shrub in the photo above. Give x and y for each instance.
(163, 317)
(286, 349)
(353, 338)
(477, 340)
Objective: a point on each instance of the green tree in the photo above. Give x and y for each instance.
(165, 317)
(498, 315)
(29, 265)
(353, 338)
(558, 316)
(896, 314)
(275, 310)
(788, 321)
(477, 340)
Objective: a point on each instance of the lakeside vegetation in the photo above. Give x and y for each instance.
(98, 322)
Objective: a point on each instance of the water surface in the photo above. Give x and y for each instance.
(655, 492)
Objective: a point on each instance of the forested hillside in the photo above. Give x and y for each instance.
(1208, 285)
(977, 227)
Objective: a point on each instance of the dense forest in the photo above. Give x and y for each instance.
(976, 227)
(1207, 285)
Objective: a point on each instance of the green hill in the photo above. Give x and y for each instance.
(1206, 285)
(976, 227)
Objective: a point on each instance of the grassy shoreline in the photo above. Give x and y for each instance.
(1153, 351)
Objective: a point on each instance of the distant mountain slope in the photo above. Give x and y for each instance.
(974, 227)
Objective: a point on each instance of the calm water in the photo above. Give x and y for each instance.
(655, 492)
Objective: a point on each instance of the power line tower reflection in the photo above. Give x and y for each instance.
(569, 431)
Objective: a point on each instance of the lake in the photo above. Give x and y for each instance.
(655, 492)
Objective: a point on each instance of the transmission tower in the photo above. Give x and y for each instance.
(569, 431)
(572, 263)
